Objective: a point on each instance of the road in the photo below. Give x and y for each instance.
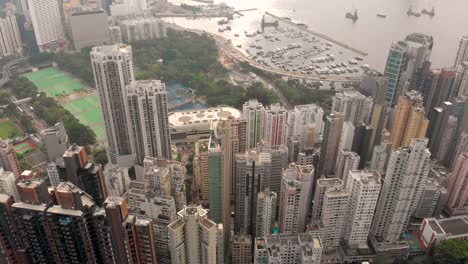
(6, 73)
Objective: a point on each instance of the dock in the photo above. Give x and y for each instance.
(317, 34)
(239, 12)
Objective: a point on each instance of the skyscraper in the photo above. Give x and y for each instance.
(442, 88)
(410, 120)
(438, 117)
(47, 23)
(254, 112)
(200, 170)
(361, 142)
(113, 71)
(306, 124)
(148, 122)
(394, 68)
(8, 184)
(10, 242)
(347, 160)
(462, 53)
(139, 238)
(330, 143)
(275, 125)
(266, 213)
(116, 180)
(295, 198)
(10, 43)
(354, 106)
(116, 213)
(8, 159)
(194, 238)
(322, 186)
(407, 170)
(215, 181)
(460, 146)
(55, 140)
(458, 183)
(241, 249)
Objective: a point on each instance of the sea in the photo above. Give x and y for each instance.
(369, 33)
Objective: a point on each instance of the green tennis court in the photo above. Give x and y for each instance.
(54, 82)
(88, 111)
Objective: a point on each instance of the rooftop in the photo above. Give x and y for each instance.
(455, 225)
(202, 116)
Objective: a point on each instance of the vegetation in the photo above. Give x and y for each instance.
(4, 98)
(22, 87)
(451, 251)
(9, 130)
(100, 155)
(188, 190)
(78, 64)
(24, 120)
(297, 93)
(24, 164)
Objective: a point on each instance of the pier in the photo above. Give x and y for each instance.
(239, 12)
(317, 34)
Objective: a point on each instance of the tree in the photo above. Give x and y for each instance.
(100, 156)
(451, 251)
(4, 98)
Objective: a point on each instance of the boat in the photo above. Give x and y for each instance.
(223, 21)
(220, 29)
(429, 13)
(228, 28)
(381, 15)
(205, 1)
(410, 12)
(236, 35)
(353, 16)
(302, 25)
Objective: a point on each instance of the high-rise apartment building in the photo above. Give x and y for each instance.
(347, 160)
(279, 162)
(458, 183)
(364, 188)
(295, 198)
(8, 184)
(113, 71)
(8, 160)
(361, 142)
(443, 88)
(407, 170)
(322, 186)
(438, 117)
(433, 198)
(462, 53)
(200, 170)
(378, 86)
(10, 38)
(275, 125)
(380, 157)
(254, 113)
(330, 144)
(354, 106)
(116, 180)
(11, 244)
(55, 140)
(266, 213)
(460, 146)
(446, 140)
(215, 181)
(194, 238)
(410, 120)
(241, 249)
(306, 123)
(288, 249)
(148, 122)
(139, 238)
(47, 23)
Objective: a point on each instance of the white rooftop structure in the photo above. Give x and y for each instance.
(201, 119)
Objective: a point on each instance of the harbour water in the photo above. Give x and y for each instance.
(369, 33)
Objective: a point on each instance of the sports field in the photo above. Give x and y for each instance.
(86, 108)
(24, 146)
(8, 129)
(54, 82)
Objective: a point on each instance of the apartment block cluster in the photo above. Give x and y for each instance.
(270, 185)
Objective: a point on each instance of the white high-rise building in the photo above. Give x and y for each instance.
(47, 23)
(113, 71)
(254, 113)
(347, 136)
(380, 156)
(148, 124)
(266, 213)
(8, 184)
(10, 39)
(347, 160)
(116, 179)
(462, 53)
(322, 186)
(407, 170)
(55, 140)
(295, 199)
(354, 106)
(194, 238)
(302, 119)
(364, 189)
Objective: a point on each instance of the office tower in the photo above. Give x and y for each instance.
(288, 249)
(419, 48)
(329, 149)
(461, 146)
(361, 142)
(322, 186)
(266, 213)
(116, 180)
(422, 79)
(254, 112)
(8, 159)
(347, 136)
(306, 123)
(241, 249)
(295, 199)
(200, 170)
(84, 174)
(139, 238)
(447, 139)
(148, 122)
(442, 88)
(10, 242)
(55, 140)
(215, 181)
(279, 162)
(438, 118)
(8, 184)
(433, 199)
(47, 23)
(85, 36)
(458, 183)
(69, 227)
(354, 106)
(113, 71)
(462, 53)
(161, 209)
(364, 189)
(410, 121)
(10, 43)
(253, 171)
(380, 157)
(166, 177)
(394, 68)
(194, 238)
(275, 125)
(347, 160)
(407, 171)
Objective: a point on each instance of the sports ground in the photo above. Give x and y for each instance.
(8, 129)
(72, 95)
